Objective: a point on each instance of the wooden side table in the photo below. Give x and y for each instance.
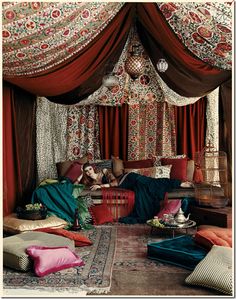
(221, 217)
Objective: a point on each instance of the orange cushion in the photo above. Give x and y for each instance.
(207, 236)
(80, 239)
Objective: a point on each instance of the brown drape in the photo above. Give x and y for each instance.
(113, 122)
(225, 126)
(186, 75)
(190, 127)
(83, 75)
(19, 155)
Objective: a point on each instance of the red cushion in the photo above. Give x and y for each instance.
(138, 164)
(74, 171)
(209, 236)
(178, 169)
(80, 240)
(100, 214)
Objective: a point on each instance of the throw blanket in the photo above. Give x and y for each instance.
(59, 200)
(148, 194)
(117, 197)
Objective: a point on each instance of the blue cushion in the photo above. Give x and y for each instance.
(181, 251)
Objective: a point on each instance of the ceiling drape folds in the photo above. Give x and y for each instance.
(40, 35)
(204, 28)
(71, 80)
(91, 60)
(160, 41)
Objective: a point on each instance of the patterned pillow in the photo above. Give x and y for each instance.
(157, 159)
(214, 271)
(154, 172)
(101, 164)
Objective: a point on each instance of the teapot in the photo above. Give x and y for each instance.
(180, 218)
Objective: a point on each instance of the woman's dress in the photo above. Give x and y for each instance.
(148, 194)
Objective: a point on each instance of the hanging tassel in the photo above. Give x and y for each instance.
(197, 175)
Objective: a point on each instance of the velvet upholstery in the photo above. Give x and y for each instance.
(180, 251)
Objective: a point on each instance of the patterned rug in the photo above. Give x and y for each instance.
(94, 277)
(131, 249)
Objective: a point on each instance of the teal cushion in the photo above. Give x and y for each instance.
(180, 251)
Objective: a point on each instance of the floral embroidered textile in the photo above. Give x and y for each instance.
(205, 28)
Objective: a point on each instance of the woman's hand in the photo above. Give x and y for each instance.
(95, 187)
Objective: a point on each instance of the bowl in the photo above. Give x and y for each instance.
(31, 214)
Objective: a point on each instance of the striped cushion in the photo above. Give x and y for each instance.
(214, 271)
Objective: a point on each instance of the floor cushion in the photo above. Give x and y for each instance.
(14, 248)
(180, 251)
(14, 225)
(215, 270)
(209, 235)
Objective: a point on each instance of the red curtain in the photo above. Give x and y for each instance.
(190, 127)
(86, 66)
(113, 122)
(19, 155)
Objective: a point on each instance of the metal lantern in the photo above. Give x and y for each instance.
(110, 81)
(135, 63)
(162, 65)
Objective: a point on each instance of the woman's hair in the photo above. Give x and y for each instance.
(86, 180)
(87, 164)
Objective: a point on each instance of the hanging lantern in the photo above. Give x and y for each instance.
(110, 81)
(162, 65)
(135, 64)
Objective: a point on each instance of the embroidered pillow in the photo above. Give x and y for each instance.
(214, 271)
(179, 168)
(157, 159)
(154, 172)
(52, 259)
(100, 214)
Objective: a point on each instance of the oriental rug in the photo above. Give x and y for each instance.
(136, 275)
(94, 277)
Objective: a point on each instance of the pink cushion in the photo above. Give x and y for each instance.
(169, 207)
(100, 214)
(51, 259)
(74, 171)
(207, 236)
(178, 169)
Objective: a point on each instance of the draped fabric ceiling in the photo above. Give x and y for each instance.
(49, 42)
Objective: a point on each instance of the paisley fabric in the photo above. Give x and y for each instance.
(40, 35)
(204, 28)
(83, 132)
(151, 130)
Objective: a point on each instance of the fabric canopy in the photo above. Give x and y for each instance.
(80, 71)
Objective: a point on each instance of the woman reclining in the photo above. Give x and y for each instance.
(148, 191)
